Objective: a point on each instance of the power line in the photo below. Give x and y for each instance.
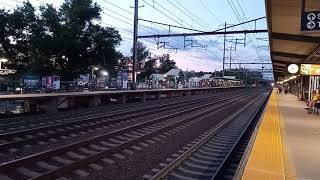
(165, 14)
(191, 17)
(210, 12)
(118, 7)
(236, 13)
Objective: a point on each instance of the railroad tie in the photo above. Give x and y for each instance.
(29, 136)
(75, 155)
(41, 143)
(119, 156)
(156, 138)
(81, 173)
(45, 165)
(27, 146)
(62, 160)
(93, 146)
(107, 144)
(107, 160)
(146, 176)
(127, 151)
(150, 141)
(131, 135)
(27, 172)
(62, 178)
(95, 166)
(87, 151)
(41, 134)
(123, 138)
(163, 164)
(53, 140)
(116, 141)
(17, 138)
(4, 177)
(155, 170)
(136, 148)
(136, 133)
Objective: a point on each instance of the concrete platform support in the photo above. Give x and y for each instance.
(158, 95)
(26, 105)
(123, 99)
(144, 97)
(94, 101)
(50, 105)
(170, 94)
(188, 93)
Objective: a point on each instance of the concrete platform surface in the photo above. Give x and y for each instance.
(287, 144)
(301, 135)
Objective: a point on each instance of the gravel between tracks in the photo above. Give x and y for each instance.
(79, 137)
(136, 165)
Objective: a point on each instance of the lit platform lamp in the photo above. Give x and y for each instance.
(6, 71)
(105, 73)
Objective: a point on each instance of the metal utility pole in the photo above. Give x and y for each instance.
(224, 47)
(230, 56)
(135, 40)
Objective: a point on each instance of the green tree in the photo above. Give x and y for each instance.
(150, 67)
(142, 54)
(166, 64)
(65, 41)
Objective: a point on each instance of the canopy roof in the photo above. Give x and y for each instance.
(288, 44)
(173, 72)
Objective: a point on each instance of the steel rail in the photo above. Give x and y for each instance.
(34, 140)
(117, 112)
(217, 175)
(10, 166)
(77, 164)
(175, 163)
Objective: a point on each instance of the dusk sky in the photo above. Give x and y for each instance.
(205, 15)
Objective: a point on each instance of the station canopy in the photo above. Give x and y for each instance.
(291, 40)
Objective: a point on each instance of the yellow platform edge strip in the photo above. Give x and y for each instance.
(268, 159)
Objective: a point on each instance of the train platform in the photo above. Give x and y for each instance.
(286, 144)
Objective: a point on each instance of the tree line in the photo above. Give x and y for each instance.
(65, 41)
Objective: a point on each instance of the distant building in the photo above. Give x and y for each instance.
(203, 81)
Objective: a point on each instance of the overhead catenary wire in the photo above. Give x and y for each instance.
(164, 13)
(236, 13)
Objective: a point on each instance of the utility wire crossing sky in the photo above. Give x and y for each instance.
(206, 53)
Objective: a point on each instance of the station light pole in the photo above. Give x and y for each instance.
(105, 73)
(93, 76)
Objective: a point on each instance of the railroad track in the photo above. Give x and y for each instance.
(8, 126)
(53, 163)
(37, 120)
(13, 142)
(211, 155)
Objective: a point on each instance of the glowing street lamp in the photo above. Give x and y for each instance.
(104, 73)
(2, 60)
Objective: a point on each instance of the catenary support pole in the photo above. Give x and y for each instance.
(135, 40)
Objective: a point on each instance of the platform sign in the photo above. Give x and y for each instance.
(310, 21)
(310, 69)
